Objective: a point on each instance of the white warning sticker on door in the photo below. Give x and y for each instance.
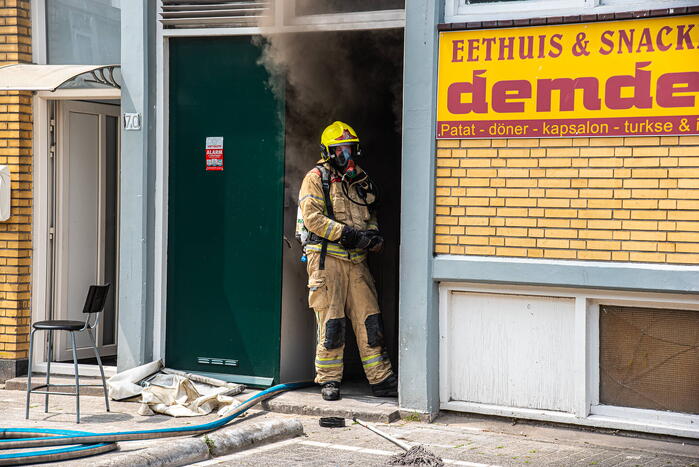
(214, 153)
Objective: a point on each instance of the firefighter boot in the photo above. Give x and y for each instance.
(330, 390)
(386, 388)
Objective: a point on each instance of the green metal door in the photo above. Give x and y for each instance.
(224, 227)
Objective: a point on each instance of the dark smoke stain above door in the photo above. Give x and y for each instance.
(224, 227)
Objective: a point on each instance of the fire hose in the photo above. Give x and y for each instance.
(83, 443)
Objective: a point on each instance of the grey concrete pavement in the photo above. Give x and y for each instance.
(471, 441)
(467, 440)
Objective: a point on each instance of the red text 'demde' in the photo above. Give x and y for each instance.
(638, 89)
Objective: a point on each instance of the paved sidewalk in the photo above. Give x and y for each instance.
(468, 440)
(461, 440)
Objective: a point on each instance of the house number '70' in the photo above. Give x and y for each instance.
(131, 121)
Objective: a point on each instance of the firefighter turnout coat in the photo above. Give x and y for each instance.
(344, 288)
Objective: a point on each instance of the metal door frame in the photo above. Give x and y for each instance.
(387, 19)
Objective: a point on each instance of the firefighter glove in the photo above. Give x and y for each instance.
(376, 242)
(352, 238)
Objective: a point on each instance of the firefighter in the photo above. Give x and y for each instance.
(335, 202)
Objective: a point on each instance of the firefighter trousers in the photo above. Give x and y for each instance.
(345, 290)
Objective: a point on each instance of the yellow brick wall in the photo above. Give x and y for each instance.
(16, 152)
(606, 199)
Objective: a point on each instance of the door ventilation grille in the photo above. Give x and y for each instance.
(214, 13)
(217, 361)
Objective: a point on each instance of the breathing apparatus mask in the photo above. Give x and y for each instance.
(343, 158)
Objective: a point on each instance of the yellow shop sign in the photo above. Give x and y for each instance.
(619, 78)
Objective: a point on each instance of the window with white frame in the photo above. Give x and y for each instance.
(458, 11)
(83, 32)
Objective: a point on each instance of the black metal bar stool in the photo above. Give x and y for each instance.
(94, 305)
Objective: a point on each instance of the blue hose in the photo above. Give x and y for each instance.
(88, 444)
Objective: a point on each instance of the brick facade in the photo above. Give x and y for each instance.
(16, 152)
(607, 199)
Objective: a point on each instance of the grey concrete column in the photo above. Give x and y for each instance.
(136, 194)
(419, 320)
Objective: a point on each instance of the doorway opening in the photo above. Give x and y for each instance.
(83, 170)
(355, 77)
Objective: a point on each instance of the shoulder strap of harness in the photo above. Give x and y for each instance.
(325, 179)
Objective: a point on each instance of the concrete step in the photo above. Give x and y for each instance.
(20, 384)
(356, 402)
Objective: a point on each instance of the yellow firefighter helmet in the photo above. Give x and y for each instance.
(335, 134)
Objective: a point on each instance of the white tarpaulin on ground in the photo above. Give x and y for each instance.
(125, 385)
(177, 396)
(173, 393)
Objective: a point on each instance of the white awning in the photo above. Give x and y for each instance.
(27, 77)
